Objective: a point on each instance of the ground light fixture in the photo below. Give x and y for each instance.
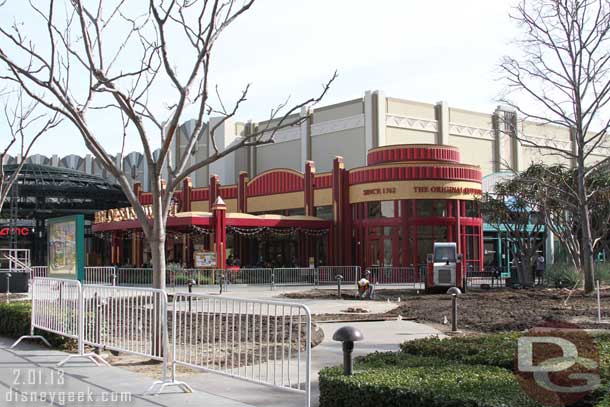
(454, 292)
(348, 335)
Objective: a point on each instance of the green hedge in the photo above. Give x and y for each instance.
(395, 379)
(432, 372)
(15, 321)
(493, 350)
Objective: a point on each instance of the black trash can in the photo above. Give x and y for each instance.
(18, 282)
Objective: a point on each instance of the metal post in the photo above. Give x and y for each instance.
(8, 284)
(222, 282)
(348, 363)
(272, 280)
(114, 276)
(339, 278)
(98, 323)
(454, 312)
(190, 285)
(599, 305)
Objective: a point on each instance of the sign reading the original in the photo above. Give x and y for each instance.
(412, 189)
(123, 214)
(447, 190)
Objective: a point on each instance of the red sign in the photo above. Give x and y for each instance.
(5, 231)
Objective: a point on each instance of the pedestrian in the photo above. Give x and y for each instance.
(540, 269)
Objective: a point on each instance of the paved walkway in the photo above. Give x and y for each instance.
(36, 365)
(28, 374)
(210, 389)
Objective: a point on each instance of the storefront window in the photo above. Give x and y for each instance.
(431, 207)
(426, 237)
(325, 212)
(472, 209)
(383, 209)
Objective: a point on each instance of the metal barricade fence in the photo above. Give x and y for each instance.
(100, 275)
(484, 279)
(294, 276)
(57, 307)
(134, 276)
(328, 274)
(250, 276)
(126, 319)
(265, 342)
(39, 271)
(382, 275)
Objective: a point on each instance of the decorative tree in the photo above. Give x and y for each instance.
(510, 210)
(562, 78)
(25, 126)
(109, 60)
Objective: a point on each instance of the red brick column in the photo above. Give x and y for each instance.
(219, 209)
(242, 192)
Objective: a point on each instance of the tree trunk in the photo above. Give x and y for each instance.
(588, 263)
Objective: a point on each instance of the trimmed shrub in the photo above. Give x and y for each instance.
(15, 322)
(561, 275)
(396, 379)
(492, 350)
(432, 372)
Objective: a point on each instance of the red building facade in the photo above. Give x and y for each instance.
(388, 213)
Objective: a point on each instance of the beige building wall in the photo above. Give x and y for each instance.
(407, 136)
(475, 151)
(347, 143)
(409, 108)
(337, 130)
(279, 155)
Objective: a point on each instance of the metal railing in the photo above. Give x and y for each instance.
(328, 274)
(490, 278)
(39, 271)
(265, 342)
(385, 275)
(294, 276)
(126, 319)
(57, 307)
(100, 275)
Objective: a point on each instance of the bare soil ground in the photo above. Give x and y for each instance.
(484, 311)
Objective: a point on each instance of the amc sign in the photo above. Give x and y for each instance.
(7, 231)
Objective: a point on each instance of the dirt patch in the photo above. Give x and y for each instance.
(483, 311)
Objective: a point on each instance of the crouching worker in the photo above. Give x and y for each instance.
(365, 288)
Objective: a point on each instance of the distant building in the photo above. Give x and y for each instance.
(351, 129)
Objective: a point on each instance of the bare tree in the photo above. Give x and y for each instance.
(112, 59)
(510, 211)
(25, 127)
(562, 78)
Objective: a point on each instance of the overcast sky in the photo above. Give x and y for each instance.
(425, 50)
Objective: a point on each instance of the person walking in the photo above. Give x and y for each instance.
(540, 269)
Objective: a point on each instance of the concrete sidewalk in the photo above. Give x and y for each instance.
(29, 378)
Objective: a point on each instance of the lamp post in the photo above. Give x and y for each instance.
(339, 278)
(348, 335)
(454, 292)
